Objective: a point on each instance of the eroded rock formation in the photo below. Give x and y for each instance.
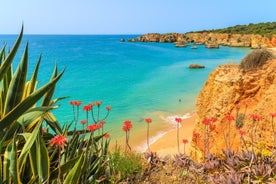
(228, 89)
(213, 39)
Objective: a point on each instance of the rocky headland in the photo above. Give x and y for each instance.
(213, 40)
(238, 91)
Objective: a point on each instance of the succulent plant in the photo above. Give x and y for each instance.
(26, 151)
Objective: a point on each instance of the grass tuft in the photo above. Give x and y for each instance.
(126, 166)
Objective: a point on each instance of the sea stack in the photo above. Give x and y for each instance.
(194, 66)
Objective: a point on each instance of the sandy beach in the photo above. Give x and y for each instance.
(167, 144)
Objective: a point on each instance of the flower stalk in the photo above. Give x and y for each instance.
(148, 121)
(178, 121)
(60, 142)
(126, 128)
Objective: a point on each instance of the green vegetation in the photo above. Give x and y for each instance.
(125, 165)
(255, 59)
(33, 146)
(264, 29)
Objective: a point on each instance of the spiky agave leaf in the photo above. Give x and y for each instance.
(17, 85)
(30, 139)
(2, 54)
(8, 60)
(48, 96)
(31, 85)
(65, 168)
(42, 160)
(75, 173)
(27, 103)
(10, 172)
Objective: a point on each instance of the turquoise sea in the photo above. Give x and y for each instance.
(138, 80)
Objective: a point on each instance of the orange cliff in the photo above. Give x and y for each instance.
(214, 39)
(229, 88)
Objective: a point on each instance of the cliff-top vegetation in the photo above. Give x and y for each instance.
(264, 29)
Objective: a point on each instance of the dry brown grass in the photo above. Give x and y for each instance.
(255, 59)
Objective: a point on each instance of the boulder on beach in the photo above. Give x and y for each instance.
(196, 66)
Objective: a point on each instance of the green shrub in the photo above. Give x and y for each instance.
(255, 59)
(125, 166)
(239, 121)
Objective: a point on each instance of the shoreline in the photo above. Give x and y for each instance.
(166, 143)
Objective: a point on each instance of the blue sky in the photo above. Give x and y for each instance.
(129, 16)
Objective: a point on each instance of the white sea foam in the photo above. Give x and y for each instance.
(144, 146)
(153, 139)
(171, 119)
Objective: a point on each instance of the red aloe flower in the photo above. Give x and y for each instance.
(212, 127)
(76, 102)
(178, 120)
(256, 117)
(229, 117)
(242, 132)
(148, 120)
(98, 103)
(59, 140)
(107, 135)
(102, 123)
(213, 120)
(272, 114)
(185, 141)
(91, 104)
(228, 134)
(125, 128)
(108, 108)
(127, 125)
(206, 121)
(93, 127)
(196, 135)
(83, 122)
(87, 108)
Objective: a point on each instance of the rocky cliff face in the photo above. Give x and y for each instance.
(228, 89)
(233, 40)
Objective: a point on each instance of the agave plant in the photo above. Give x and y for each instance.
(26, 155)
(22, 144)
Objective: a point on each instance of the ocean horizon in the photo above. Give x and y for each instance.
(137, 79)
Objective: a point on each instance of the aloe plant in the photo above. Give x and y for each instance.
(22, 145)
(26, 151)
